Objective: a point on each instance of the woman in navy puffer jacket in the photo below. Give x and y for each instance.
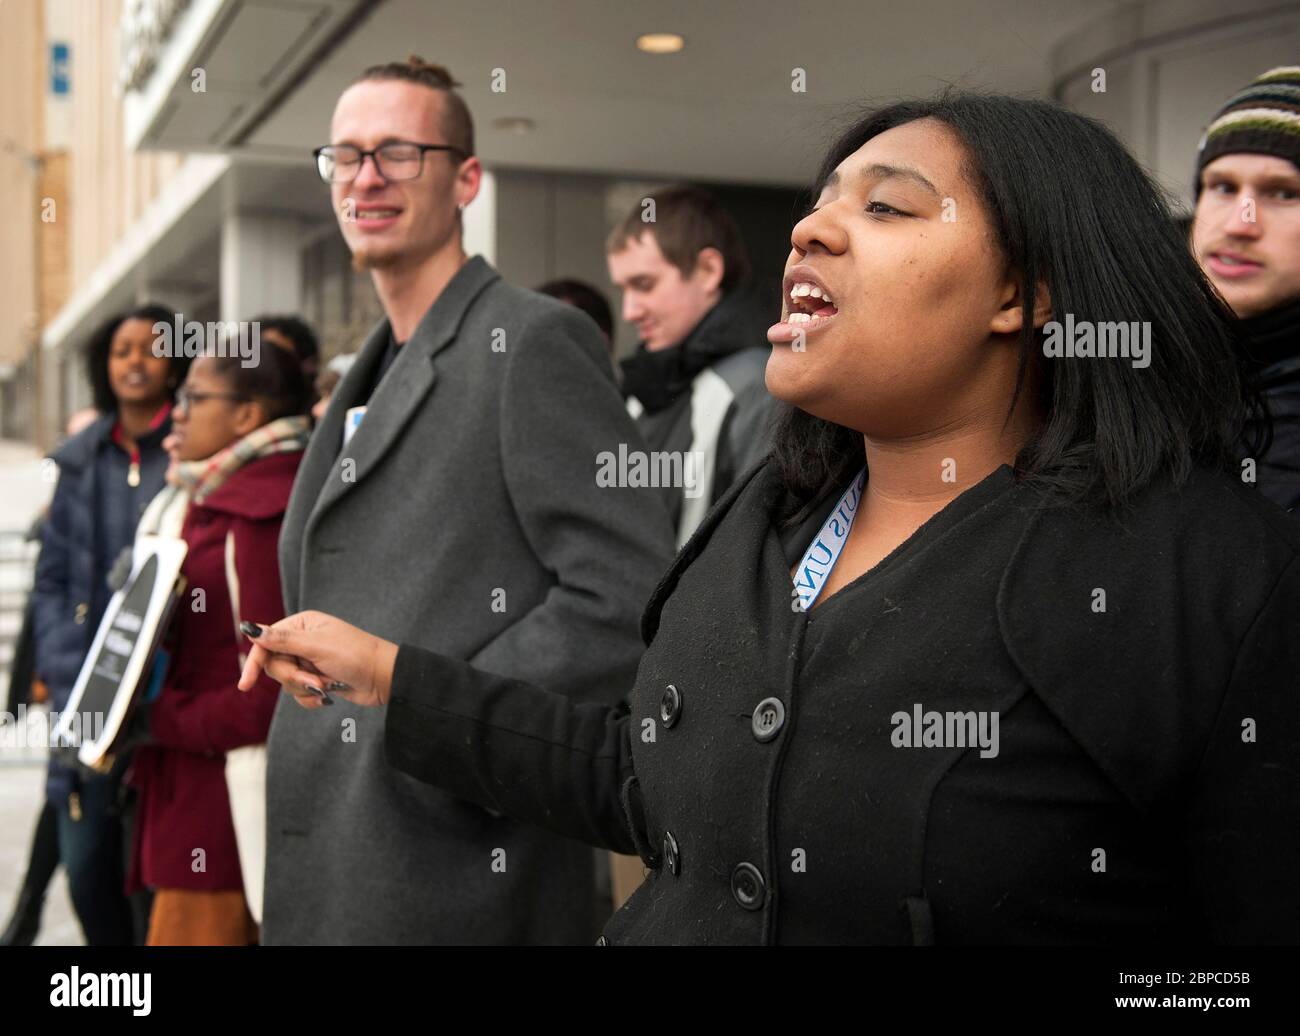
(108, 473)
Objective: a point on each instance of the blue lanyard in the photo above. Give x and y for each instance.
(819, 559)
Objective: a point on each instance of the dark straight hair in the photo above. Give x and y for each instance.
(1070, 207)
(276, 381)
(101, 343)
(296, 330)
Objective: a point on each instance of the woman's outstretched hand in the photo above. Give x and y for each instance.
(313, 655)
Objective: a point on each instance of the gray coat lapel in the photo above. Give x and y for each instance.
(323, 447)
(401, 392)
(322, 451)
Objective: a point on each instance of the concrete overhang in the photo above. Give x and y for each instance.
(196, 74)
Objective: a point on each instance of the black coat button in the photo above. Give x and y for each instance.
(748, 886)
(670, 706)
(671, 857)
(768, 719)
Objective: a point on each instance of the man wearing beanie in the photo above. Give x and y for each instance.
(1246, 236)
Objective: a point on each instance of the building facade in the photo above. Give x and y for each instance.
(176, 158)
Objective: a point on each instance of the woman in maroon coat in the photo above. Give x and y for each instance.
(239, 436)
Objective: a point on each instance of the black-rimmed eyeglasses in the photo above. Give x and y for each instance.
(185, 398)
(398, 160)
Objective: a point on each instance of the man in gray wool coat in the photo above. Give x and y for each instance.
(448, 499)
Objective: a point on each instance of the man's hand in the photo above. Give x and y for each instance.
(310, 654)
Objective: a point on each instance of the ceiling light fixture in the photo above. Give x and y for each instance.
(660, 42)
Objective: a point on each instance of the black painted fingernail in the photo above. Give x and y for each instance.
(325, 699)
(337, 685)
(250, 629)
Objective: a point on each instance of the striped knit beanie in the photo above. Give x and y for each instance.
(1263, 119)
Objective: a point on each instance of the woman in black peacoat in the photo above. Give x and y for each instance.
(1033, 683)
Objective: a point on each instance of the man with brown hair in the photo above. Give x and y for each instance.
(448, 498)
(695, 384)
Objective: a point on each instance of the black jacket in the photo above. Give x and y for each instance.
(1279, 468)
(1147, 779)
(1272, 342)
